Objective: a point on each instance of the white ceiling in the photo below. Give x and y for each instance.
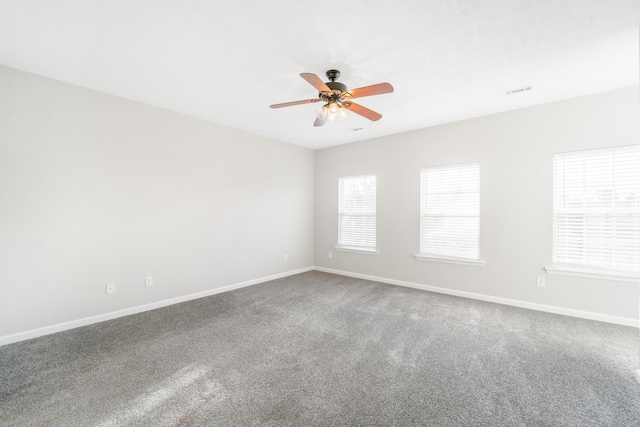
(227, 61)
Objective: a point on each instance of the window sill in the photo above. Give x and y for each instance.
(358, 250)
(594, 274)
(422, 257)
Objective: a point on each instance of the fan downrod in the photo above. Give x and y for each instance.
(333, 84)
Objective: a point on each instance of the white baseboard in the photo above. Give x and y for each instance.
(33, 333)
(625, 321)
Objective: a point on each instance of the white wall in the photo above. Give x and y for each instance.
(97, 189)
(515, 152)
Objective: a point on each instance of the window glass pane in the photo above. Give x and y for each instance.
(596, 208)
(450, 211)
(357, 211)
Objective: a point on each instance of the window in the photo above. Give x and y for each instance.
(596, 210)
(450, 213)
(357, 213)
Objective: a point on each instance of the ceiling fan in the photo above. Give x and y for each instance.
(338, 98)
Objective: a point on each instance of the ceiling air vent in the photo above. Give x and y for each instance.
(519, 90)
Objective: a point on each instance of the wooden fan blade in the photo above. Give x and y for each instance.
(316, 82)
(363, 111)
(289, 104)
(378, 89)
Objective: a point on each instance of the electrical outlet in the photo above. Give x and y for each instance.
(286, 257)
(148, 281)
(330, 254)
(111, 288)
(541, 282)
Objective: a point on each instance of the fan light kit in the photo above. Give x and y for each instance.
(338, 98)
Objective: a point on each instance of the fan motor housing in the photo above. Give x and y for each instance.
(337, 86)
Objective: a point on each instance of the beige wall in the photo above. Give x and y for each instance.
(515, 152)
(97, 189)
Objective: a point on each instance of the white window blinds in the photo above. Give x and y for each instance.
(450, 212)
(596, 208)
(357, 211)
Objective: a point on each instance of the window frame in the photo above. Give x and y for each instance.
(424, 192)
(346, 247)
(612, 213)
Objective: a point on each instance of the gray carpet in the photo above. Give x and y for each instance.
(320, 349)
